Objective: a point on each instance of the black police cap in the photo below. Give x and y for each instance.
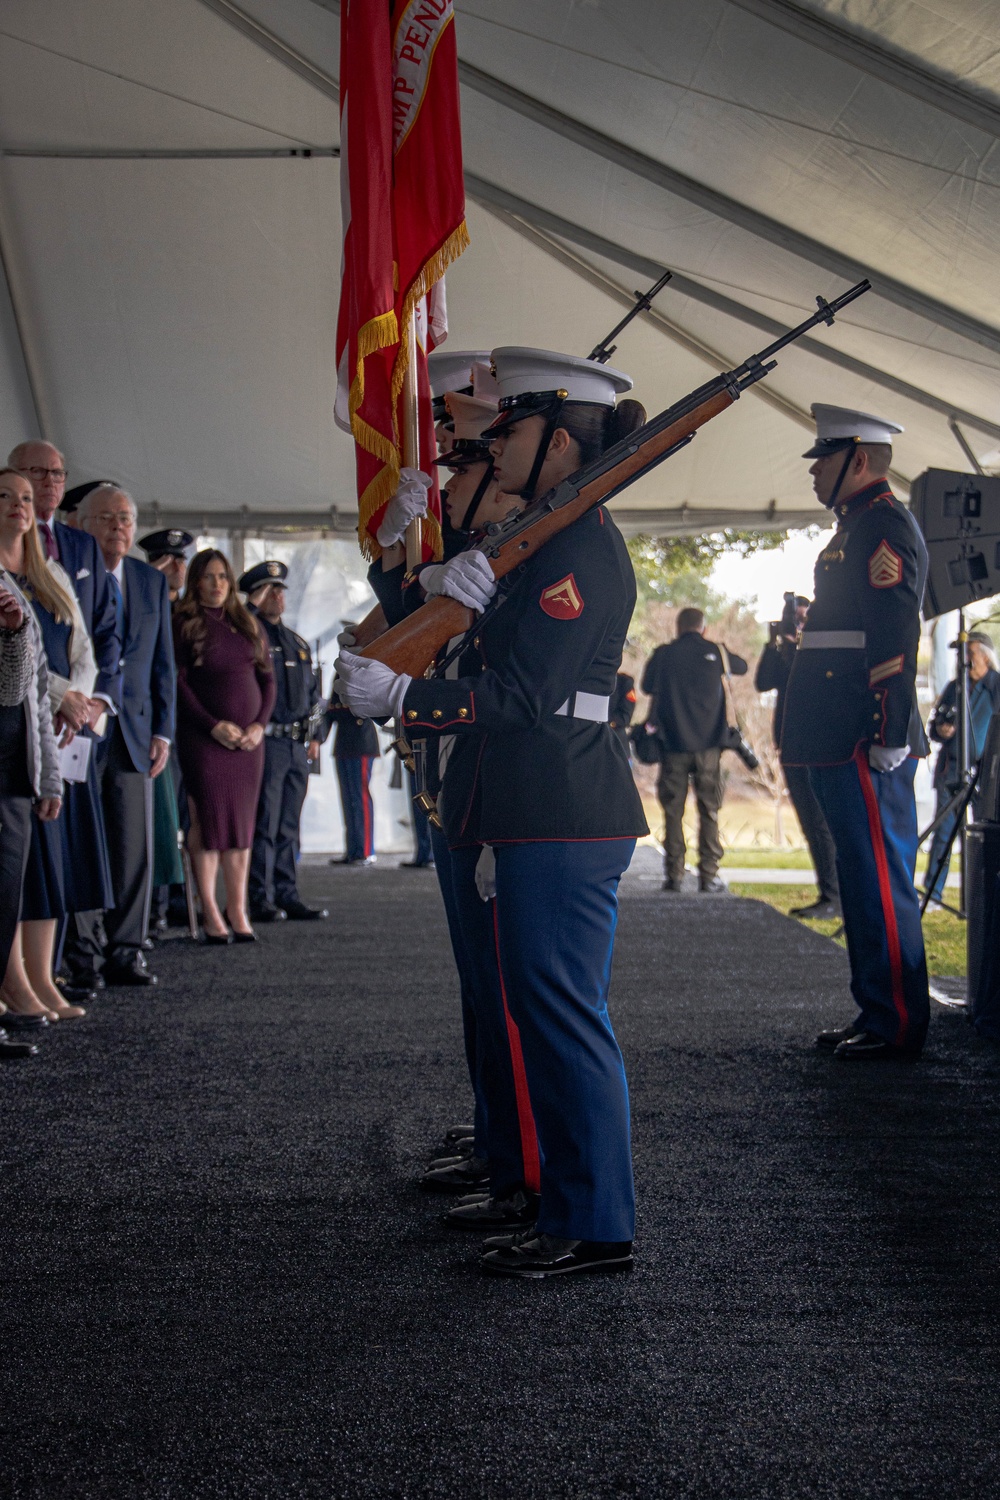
(170, 543)
(271, 572)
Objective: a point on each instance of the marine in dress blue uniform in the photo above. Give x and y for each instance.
(851, 716)
(538, 775)
(289, 738)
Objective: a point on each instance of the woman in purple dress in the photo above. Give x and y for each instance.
(225, 694)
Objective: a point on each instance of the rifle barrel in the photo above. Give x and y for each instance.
(826, 313)
(603, 351)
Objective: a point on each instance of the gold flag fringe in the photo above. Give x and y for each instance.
(431, 272)
(378, 333)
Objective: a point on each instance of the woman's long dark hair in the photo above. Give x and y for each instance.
(597, 428)
(190, 611)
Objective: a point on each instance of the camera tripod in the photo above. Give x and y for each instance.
(967, 778)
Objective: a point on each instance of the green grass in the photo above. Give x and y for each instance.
(786, 859)
(944, 935)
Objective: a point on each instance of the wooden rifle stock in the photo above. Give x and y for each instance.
(412, 645)
(370, 628)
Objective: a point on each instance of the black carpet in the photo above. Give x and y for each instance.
(219, 1280)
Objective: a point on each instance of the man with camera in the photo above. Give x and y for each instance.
(685, 681)
(851, 717)
(984, 702)
(772, 673)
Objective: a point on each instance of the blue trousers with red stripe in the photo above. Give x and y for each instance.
(354, 773)
(556, 914)
(505, 1131)
(872, 816)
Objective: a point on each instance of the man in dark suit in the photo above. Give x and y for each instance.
(684, 680)
(81, 557)
(137, 744)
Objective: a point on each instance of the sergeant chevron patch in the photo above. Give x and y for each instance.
(890, 668)
(562, 600)
(885, 567)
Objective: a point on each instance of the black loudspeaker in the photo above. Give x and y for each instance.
(959, 515)
(983, 936)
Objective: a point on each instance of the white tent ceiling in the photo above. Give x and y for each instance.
(172, 306)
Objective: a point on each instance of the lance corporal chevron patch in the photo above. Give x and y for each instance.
(562, 600)
(885, 567)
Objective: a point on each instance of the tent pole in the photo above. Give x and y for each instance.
(411, 435)
(495, 199)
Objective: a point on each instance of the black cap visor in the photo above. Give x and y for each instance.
(823, 447)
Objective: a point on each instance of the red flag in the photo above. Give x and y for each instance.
(403, 202)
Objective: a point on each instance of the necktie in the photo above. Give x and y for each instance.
(116, 595)
(48, 540)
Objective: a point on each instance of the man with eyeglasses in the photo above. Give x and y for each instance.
(81, 557)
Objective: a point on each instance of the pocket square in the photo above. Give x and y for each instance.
(83, 573)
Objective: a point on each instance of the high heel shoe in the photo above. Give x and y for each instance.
(223, 941)
(244, 937)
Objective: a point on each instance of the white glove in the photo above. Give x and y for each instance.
(467, 578)
(409, 502)
(486, 873)
(882, 759)
(370, 688)
(347, 638)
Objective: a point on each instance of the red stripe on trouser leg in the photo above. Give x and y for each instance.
(525, 1118)
(366, 803)
(885, 892)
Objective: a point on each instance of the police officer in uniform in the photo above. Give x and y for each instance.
(851, 716)
(539, 783)
(167, 552)
(289, 746)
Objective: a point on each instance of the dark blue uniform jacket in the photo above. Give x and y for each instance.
(297, 691)
(869, 581)
(520, 771)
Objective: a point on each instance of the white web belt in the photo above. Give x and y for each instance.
(586, 706)
(832, 640)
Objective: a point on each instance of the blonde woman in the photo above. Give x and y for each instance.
(67, 863)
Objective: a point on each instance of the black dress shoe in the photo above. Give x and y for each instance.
(544, 1255)
(458, 1176)
(456, 1132)
(12, 1020)
(75, 994)
(217, 940)
(833, 1038)
(516, 1210)
(865, 1046)
(265, 911)
(134, 974)
(85, 980)
(298, 911)
(244, 937)
(416, 864)
(12, 1051)
(819, 911)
